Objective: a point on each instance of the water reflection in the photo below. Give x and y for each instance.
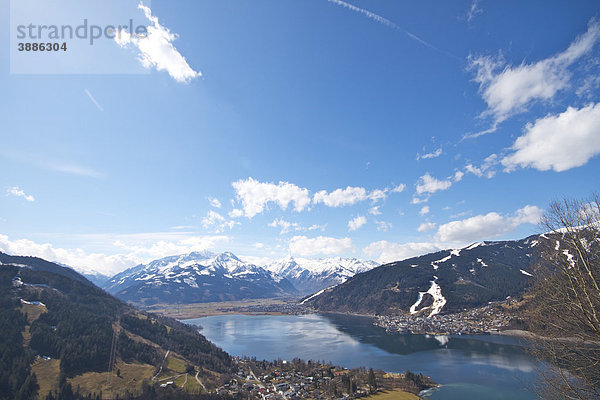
(466, 365)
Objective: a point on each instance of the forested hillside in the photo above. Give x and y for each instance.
(445, 281)
(58, 332)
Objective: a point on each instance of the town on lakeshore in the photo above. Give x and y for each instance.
(299, 379)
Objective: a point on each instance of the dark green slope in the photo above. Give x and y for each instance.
(77, 327)
(489, 271)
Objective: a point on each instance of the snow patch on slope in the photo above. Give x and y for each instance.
(439, 301)
(315, 295)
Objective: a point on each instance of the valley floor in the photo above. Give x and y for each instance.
(276, 306)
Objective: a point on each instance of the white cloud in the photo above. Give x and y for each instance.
(433, 154)
(458, 175)
(416, 200)
(424, 210)
(427, 184)
(111, 264)
(236, 213)
(256, 195)
(16, 191)
(474, 10)
(374, 210)
(400, 188)
(156, 49)
(383, 226)
(485, 169)
(559, 142)
(258, 245)
(386, 252)
(487, 226)
(321, 245)
(426, 227)
(356, 223)
(163, 248)
(285, 226)
(348, 196)
(214, 202)
(509, 90)
(216, 220)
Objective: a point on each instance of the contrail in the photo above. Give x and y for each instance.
(390, 24)
(93, 99)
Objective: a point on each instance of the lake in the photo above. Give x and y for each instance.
(468, 367)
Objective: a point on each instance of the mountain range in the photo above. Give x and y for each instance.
(311, 275)
(197, 277)
(207, 277)
(444, 281)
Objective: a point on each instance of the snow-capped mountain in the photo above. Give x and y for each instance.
(97, 278)
(197, 277)
(312, 275)
(444, 281)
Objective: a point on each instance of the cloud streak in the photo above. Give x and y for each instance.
(18, 192)
(98, 106)
(386, 22)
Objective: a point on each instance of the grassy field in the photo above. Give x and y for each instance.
(175, 363)
(198, 310)
(46, 372)
(33, 311)
(393, 395)
(131, 379)
(192, 385)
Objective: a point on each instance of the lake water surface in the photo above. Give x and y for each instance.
(468, 367)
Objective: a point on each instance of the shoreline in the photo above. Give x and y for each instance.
(281, 307)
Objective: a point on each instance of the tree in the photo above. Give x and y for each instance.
(371, 381)
(565, 308)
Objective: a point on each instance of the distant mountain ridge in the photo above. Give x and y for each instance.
(444, 281)
(311, 275)
(197, 277)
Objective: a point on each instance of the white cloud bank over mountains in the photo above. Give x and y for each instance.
(454, 234)
(132, 252)
(139, 248)
(255, 196)
(485, 226)
(320, 245)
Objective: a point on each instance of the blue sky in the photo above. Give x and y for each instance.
(373, 129)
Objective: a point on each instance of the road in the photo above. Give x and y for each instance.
(161, 365)
(200, 382)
